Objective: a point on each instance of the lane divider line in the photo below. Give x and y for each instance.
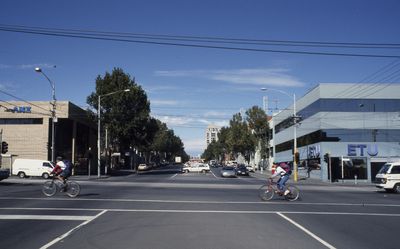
(44, 217)
(205, 202)
(61, 237)
(307, 231)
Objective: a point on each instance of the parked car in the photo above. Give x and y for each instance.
(4, 173)
(228, 171)
(242, 170)
(143, 167)
(251, 168)
(32, 167)
(388, 177)
(200, 167)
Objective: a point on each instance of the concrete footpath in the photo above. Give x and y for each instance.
(303, 180)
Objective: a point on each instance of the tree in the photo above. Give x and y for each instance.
(257, 120)
(126, 114)
(239, 138)
(214, 151)
(168, 144)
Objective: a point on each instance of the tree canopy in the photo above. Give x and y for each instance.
(126, 114)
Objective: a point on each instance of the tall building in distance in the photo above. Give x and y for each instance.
(212, 133)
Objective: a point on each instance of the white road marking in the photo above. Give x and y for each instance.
(206, 202)
(307, 231)
(173, 176)
(202, 211)
(44, 217)
(214, 174)
(71, 231)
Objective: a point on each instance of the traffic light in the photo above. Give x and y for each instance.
(297, 157)
(326, 157)
(4, 147)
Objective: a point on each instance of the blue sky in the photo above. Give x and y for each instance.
(191, 87)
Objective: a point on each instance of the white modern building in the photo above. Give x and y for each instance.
(357, 125)
(212, 133)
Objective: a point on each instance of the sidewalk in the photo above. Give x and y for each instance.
(303, 180)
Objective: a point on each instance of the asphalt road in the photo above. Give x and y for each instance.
(166, 209)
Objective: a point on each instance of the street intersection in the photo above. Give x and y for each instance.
(168, 209)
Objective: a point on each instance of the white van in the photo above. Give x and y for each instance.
(388, 177)
(32, 167)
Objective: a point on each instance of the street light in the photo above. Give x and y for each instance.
(294, 128)
(53, 113)
(98, 126)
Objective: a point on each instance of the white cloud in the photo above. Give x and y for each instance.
(27, 66)
(195, 145)
(174, 121)
(264, 76)
(154, 89)
(159, 102)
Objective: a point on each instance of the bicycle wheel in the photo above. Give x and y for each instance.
(73, 189)
(293, 194)
(266, 192)
(49, 188)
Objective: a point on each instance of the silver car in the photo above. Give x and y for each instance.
(228, 171)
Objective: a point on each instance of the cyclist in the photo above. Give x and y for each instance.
(283, 171)
(62, 169)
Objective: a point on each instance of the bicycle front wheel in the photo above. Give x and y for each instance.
(73, 189)
(293, 194)
(266, 192)
(49, 188)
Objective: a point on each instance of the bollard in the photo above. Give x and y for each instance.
(355, 179)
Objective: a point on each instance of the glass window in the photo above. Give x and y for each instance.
(17, 121)
(395, 170)
(355, 168)
(342, 105)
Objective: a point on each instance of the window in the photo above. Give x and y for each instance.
(395, 170)
(45, 164)
(342, 105)
(17, 121)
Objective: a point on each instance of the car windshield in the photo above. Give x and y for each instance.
(384, 169)
(227, 168)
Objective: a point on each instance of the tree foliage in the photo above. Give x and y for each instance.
(127, 116)
(257, 120)
(241, 136)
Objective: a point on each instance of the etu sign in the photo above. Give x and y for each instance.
(362, 150)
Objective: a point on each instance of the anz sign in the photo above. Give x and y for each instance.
(362, 150)
(22, 109)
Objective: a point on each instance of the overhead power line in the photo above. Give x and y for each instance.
(241, 41)
(144, 39)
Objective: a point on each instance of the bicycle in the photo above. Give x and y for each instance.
(71, 188)
(267, 191)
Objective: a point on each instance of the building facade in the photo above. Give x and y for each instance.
(27, 128)
(212, 133)
(345, 132)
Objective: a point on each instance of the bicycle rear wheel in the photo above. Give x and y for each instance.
(49, 188)
(73, 189)
(266, 192)
(293, 194)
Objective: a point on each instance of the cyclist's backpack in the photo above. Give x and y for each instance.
(287, 169)
(68, 166)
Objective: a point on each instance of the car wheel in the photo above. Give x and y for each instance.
(203, 171)
(187, 171)
(21, 174)
(397, 188)
(45, 175)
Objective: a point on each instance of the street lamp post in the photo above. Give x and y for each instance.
(295, 175)
(53, 113)
(99, 126)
